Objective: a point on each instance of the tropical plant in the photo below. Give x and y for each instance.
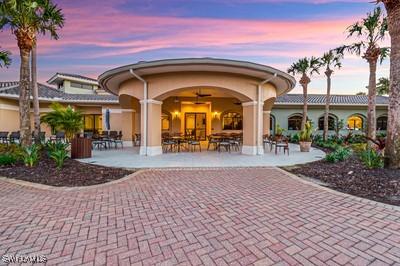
(305, 134)
(339, 125)
(382, 88)
(380, 143)
(392, 152)
(64, 119)
(7, 159)
(5, 59)
(370, 32)
(26, 18)
(35, 95)
(339, 155)
(52, 146)
(371, 159)
(59, 154)
(330, 60)
(279, 130)
(305, 67)
(31, 155)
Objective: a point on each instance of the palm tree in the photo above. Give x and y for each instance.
(370, 32)
(382, 88)
(35, 96)
(392, 151)
(305, 67)
(5, 59)
(330, 60)
(26, 18)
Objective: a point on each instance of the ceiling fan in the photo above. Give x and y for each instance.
(238, 103)
(201, 95)
(197, 101)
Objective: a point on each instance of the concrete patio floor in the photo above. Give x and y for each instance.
(130, 158)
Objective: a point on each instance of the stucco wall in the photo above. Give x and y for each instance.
(282, 113)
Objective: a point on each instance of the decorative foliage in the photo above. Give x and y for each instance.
(64, 119)
(382, 88)
(31, 155)
(305, 134)
(279, 130)
(59, 154)
(371, 159)
(5, 60)
(339, 155)
(7, 159)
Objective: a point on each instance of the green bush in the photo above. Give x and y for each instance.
(359, 147)
(295, 138)
(305, 134)
(12, 149)
(371, 159)
(7, 159)
(31, 155)
(339, 155)
(58, 152)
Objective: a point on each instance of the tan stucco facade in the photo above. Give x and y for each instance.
(170, 87)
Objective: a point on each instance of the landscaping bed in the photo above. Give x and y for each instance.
(72, 174)
(352, 177)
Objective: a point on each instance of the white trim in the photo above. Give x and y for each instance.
(60, 100)
(335, 104)
(151, 150)
(249, 103)
(249, 150)
(9, 107)
(70, 78)
(151, 101)
(117, 110)
(267, 112)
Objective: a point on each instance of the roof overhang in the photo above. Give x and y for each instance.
(59, 79)
(111, 79)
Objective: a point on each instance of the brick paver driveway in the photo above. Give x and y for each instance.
(231, 216)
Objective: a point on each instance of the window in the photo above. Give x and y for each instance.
(81, 86)
(232, 121)
(93, 123)
(165, 122)
(381, 123)
(294, 122)
(355, 122)
(331, 123)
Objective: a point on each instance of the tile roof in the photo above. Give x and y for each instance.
(53, 94)
(335, 99)
(76, 76)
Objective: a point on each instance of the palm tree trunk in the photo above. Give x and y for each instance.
(392, 151)
(371, 114)
(305, 107)
(35, 96)
(328, 74)
(24, 101)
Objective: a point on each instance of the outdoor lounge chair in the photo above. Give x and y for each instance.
(116, 138)
(4, 137)
(15, 137)
(193, 143)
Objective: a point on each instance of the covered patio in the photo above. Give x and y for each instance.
(131, 158)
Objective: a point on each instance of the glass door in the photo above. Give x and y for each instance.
(196, 125)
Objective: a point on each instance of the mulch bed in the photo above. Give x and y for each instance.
(73, 173)
(352, 177)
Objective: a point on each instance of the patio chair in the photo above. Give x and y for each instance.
(283, 143)
(168, 145)
(212, 142)
(59, 137)
(136, 140)
(225, 144)
(15, 136)
(116, 138)
(235, 143)
(193, 143)
(4, 137)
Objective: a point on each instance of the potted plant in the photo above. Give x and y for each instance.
(279, 132)
(305, 138)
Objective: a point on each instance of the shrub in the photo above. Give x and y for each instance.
(371, 159)
(359, 147)
(295, 138)
(31, 155)
(7, 159)
(12, 149)
(305, 134)
(339, 155)
(54, 146)
(279, 130)
(58, 152)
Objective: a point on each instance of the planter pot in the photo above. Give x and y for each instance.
(305, 146)
(81, 148)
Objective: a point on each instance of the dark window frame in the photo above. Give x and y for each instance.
(331, 122)
(381, 123)
(235, 123)
(294, 122)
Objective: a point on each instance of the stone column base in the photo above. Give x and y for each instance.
(151, 150)
(252, 150)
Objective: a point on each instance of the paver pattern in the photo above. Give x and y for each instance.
(244, 216)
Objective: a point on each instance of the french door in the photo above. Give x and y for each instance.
(196, 125)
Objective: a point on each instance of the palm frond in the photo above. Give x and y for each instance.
(384, 54)
(5, 59)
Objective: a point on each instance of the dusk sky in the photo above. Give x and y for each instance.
(99, 35)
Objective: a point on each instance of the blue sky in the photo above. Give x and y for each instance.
(100, 35)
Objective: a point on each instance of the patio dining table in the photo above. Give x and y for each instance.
(179, 140)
